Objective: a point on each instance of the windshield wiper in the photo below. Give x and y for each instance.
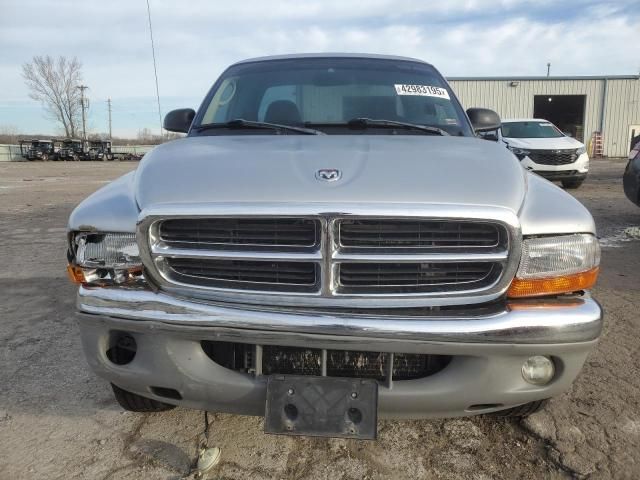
(242, 123)
(363, 122)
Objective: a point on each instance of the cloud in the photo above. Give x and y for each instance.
(196, 40)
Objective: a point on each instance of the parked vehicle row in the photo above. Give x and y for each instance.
(68, 149)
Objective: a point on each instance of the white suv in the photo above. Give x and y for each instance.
(542, 147)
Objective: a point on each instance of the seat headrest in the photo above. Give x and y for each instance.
(283, 111)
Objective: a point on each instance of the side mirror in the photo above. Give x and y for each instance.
(483, 119)
(491, 136)
(179, 120)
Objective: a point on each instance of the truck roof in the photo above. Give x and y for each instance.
(329, 55)
(507, 120)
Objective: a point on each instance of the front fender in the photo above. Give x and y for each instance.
(549, 210)
(112, 208)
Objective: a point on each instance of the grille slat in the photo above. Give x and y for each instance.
(553, 157)
(416, 234)
(231, 273)
(409, 229)
(410, 241)
(406, 279)
(240, 232)
(417, 276)
(241, 266)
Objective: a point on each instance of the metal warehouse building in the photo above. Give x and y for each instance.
(585, 107)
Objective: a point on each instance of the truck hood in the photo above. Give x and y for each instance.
(558, 143)
(374, 169)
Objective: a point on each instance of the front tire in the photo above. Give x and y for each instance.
(522, 411)
(572, 183)
(133, 402)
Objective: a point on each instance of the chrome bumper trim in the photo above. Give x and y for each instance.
(545, 322)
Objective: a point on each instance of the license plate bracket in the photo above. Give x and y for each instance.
(321, 406)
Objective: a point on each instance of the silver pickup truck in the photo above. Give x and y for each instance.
(330, 243)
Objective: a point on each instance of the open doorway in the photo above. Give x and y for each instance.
(564, 111)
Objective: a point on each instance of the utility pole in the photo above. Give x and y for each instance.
(548, 68)
(109, 106)
(83, 105)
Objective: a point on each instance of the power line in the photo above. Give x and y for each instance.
(155, 69)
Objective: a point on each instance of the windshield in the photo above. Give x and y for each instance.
(530, 130)
(40, 146)
(326, 93)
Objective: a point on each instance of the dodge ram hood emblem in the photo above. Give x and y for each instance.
(328, 175)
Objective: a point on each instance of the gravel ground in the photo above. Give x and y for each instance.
(59, 421)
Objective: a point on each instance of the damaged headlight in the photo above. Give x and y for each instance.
(104, 259)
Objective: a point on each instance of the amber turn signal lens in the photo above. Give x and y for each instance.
(538, 287)
(76, 275)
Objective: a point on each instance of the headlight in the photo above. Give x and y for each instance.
(556, 265)
(104, 258)
(519, 152)
(581, 150)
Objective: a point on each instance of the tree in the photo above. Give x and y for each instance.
(145, 136)
(9, 134)
(54, 84)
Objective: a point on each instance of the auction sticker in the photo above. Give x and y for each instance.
(422, 91)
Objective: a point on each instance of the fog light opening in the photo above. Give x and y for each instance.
(122, 348)
(538, 370)
(166, 393)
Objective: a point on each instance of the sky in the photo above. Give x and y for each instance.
(196, 40)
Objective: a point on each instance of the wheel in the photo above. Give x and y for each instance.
(572, 183)
(522, 411)
(137, 403)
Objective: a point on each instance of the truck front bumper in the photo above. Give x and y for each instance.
(487, 347)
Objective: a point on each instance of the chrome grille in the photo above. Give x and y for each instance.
(553, 157)
(318, 259)
(417, 234)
